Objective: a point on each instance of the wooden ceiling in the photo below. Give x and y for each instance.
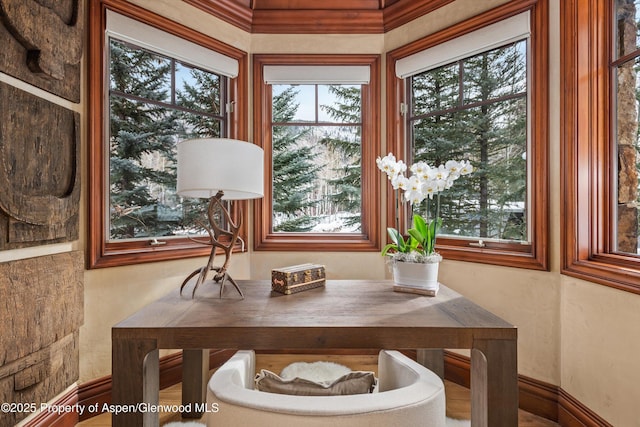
(318, 16)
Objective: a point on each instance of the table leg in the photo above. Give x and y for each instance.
(494, 383)
(135, 382)
(195, 371)
(432, 359)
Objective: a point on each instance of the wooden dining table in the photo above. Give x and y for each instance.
(343, 314)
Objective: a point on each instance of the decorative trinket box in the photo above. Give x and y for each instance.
(297, 278)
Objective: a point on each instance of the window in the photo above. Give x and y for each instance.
(477, 91)
(320, 143)
(476, 109)
(159, 88)
(600, 141)
(154, 102)
(626, 90)
(316, 147)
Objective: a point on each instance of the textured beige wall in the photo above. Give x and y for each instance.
(112, 294)
(525, 298)
(193, 17)
(338, 265)
(600, 335)
(574, 334)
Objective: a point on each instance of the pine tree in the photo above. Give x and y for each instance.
(439, 137)
(346, 144)
(501, 141)
(138, 130)
(294, 169)
(205, 96)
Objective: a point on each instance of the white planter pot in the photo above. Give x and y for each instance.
(416, 275)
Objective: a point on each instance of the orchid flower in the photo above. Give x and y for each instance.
(400, 182)
(429, 188)
(425, 182)
(390, 166)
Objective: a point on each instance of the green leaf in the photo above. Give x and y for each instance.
(432, 227)
(420, 224)
(394, 235)
(417, 235)
(397, 238)
(432, 231)
(388, 248)
(413, 244)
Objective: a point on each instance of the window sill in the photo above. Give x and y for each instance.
(316, 243)
(607, 270)
(114, 255)
(508, 258)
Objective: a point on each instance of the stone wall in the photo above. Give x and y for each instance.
(41, 308)
(627, 133)
(41, 297)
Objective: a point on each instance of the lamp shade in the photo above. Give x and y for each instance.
(209, 165)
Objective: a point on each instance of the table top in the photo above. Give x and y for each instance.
(341, 314)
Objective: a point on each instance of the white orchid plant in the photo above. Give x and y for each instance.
(424, 183)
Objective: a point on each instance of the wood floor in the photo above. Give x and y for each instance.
(458, 398)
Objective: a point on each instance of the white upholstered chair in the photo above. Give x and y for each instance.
(408, 395)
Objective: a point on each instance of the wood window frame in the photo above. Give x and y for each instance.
(587, 142)
(101, 252)
(535, 255)
(369, 238)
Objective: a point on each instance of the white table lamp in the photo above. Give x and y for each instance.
(219, 169)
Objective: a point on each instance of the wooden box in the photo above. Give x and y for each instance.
(297, 278)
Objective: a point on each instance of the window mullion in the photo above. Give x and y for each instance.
(460, 84)
(173, 82)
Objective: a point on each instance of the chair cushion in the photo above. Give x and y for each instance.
(356, 382)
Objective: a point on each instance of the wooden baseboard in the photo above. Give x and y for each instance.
(537, 397)
(534, 396)
(457, 368)
(170, 370)
(54, 419)
(99, 391)
(572, 413)
(94, 393)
